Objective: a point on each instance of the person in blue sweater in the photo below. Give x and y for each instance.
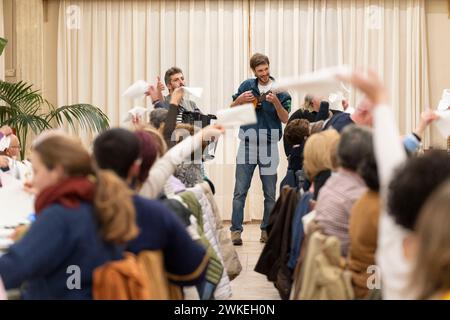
(84, 217)
(185, 261)
(259, 142)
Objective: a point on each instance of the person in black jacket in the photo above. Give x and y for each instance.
(295, 133)
(313, 110)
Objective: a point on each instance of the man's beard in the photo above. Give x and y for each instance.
(261, 79)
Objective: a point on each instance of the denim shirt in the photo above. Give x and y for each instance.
(266, 115)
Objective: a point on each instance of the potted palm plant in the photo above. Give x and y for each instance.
(25, 110)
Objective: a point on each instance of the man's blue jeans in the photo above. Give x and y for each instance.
(249, 156)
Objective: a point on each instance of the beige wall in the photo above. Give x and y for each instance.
(10, 59)
(50, 45)
(438, 24)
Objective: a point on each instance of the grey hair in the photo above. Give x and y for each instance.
(356, 144)
(157, 117)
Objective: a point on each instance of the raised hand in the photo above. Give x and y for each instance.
(3, 162)
(370, 84)
(177, 96)
(426, 118)
(159, 84)
(154, 94)
(245, 97)
(272, 98)
(212, 132)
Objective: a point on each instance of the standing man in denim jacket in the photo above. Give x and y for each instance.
(259, 142)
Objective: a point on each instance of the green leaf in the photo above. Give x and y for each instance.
(86, 116)
(21, 108)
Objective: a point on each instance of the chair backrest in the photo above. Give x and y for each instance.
(140, 277)
(120, 280)
(323, 275)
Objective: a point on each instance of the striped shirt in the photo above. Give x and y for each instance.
(335, 202)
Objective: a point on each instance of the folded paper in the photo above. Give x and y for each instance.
(16, 203)
(335, 100)
(4, 143)
(196, 92)
(443, 123)
(139, 112)
(237, 116)
(444, 104)
(321, 82)
(136, 90)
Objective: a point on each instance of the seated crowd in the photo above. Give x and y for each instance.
(370, 211)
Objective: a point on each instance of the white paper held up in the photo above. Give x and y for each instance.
(335, 100)
(17, 204)
(444, 103)
(137, 111)
(443, 123)
(237, 116)
(196, 92)
(136, 90)
(321, 82)
(4, 143)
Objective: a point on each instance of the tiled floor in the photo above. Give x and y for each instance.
(250, 285)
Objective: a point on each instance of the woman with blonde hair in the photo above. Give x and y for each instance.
(320, 157)
(431, 276)
(84, 217)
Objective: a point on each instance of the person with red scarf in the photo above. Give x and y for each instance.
(84, 219)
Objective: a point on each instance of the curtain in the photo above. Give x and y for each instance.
(2, 35)
(119, 42)
(115, 43)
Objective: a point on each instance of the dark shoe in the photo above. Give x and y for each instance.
(236, 238)
(264, 236)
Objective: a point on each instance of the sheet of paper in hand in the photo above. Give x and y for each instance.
(321, 82)
(443, 123)
(444, 103)
(15, 202)
(196, 92)
(4, 143)
(136, 90)
(139, 112)
(237, 116)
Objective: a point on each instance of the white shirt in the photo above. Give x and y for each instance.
(265, 88)
(389, 152)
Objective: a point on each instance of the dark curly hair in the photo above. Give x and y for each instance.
(368, 170)
(296, 131)
(413, 183)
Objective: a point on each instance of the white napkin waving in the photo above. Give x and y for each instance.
(196, 92)
(4, 143)
(139, 112)
(237, 116)
(335, 100)
(444, 104)
(321, 82)
(136, 90)
(443, 123)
